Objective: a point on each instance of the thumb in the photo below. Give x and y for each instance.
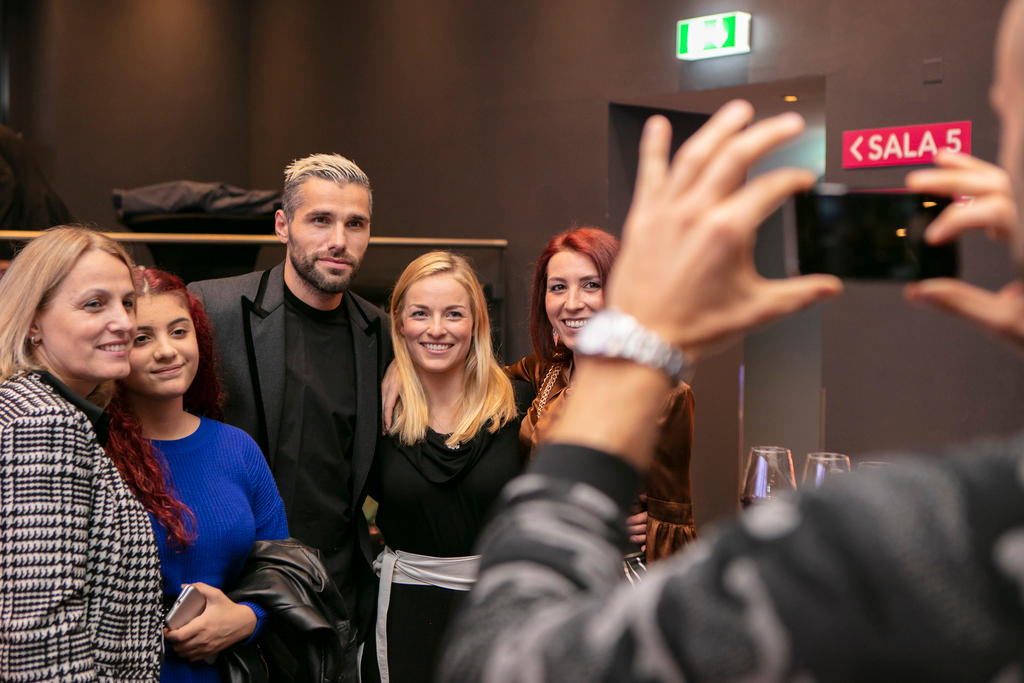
(997, 312)
(792, 294)
(952, 296)
(204, 588)
(211, 593)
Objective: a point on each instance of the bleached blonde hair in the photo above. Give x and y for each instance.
(487, 398)
(333, 167)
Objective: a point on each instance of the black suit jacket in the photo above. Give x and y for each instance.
(248, 317)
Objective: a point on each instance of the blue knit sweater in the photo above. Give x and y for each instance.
(220, 473)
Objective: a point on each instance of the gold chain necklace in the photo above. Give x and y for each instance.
(549, 383)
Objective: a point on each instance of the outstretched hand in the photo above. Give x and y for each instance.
(987, 199)
(989, 206)
(686, 269)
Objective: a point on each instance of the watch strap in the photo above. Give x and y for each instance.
(612, 333)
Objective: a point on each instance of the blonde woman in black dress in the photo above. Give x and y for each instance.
(452, 446)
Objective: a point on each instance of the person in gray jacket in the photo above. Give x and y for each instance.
(301, 360)
(914, 573)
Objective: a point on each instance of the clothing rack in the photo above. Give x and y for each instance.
(175, 248)
(208, 238)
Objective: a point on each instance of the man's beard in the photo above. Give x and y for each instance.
(305, 267)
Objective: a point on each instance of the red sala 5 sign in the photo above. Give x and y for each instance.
(904, 145)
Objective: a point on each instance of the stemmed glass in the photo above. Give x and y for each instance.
(768, 472)
(821, 466)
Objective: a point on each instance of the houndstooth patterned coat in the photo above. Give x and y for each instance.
(80, 594)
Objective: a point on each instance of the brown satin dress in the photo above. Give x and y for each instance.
(669, 502)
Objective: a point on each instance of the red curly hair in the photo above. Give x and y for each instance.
(142, 467)
(601, 247)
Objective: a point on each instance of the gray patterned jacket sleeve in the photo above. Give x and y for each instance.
(913, 574)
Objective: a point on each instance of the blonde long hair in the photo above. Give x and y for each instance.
(487, 398)
(27, 287)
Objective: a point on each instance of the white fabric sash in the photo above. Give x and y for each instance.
(398, 566)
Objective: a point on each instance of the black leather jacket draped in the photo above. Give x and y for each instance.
(308, 636)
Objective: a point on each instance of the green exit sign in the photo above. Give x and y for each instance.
(715, 35)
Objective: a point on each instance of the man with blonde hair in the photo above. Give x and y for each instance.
(302, 358)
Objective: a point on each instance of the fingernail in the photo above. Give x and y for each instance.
(736, 108)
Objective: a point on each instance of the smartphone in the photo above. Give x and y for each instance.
(189, 605)
(873, 235)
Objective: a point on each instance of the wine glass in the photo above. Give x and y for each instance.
(821, 466)
(768, 472)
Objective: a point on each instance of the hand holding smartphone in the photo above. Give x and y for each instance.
(189, 605)
(868, 235)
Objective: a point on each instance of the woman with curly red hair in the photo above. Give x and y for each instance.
(568, 288)
(206, 485)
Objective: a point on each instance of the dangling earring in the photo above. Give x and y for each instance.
(554, 337)
(34, 340)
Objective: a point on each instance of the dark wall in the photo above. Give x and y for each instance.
(492, 120)
(122, 93)
(472, 119)
(898, 376)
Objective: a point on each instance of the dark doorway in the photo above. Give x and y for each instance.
(625, 123)
(767, 387)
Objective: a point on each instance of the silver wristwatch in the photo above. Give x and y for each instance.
(614, 334)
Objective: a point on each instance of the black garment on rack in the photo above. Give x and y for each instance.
(27, 202)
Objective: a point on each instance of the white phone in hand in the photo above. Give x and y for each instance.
(189, 605)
